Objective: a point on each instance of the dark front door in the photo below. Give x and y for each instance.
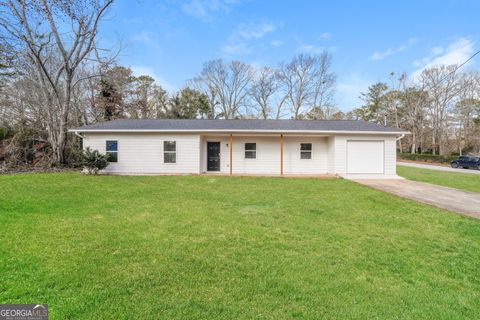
(213, 156)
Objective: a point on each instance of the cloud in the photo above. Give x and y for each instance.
(148, 71)
(205, 9)
(391, 51)
(310, 48)
(277, 43)
(239, 42)
(254, 30)
(456, 53)
(236, 49)
(325, 36)
(143, 37)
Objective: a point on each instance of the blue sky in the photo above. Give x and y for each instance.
(170, 40)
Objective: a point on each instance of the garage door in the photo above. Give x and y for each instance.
(365, 156)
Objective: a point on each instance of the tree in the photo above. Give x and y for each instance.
(227, 84)
(374, 108)
(324, 86)
(413, 101)
(441, 83)
(113, 91)
(38, 30)
(316, 113)
(467, 112)
(307, 81)
(188, 104)
(145, 99)
(264, 86)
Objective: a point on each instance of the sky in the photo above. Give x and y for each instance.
(368, 40)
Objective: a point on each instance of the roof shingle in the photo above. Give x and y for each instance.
(237, 125)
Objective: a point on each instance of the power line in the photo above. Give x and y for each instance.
(458, 67)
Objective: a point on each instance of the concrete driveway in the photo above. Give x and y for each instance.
(434, 167)
(463, 202)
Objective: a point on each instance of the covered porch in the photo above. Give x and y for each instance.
(267, 154)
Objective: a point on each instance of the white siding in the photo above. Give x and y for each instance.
(268, 155)
(292, 164)
(340, 146)
(142, 153)
(331, 155)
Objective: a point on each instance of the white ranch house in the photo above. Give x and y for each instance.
(347, 148)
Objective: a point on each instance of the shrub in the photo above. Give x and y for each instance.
(426, 157)
(93, 161)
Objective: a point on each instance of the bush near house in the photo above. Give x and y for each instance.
(93, 161)
(426, 157)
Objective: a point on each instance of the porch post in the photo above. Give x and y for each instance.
(281, 154)
(231, 146)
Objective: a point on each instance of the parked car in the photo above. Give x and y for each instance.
(466, 162)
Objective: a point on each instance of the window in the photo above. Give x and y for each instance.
(112, 150)
(305, 151)
(169, 152)
(250, 150)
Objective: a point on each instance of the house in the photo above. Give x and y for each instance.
(347, 148)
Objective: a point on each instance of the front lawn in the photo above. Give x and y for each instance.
(465, 181)
(110, 247)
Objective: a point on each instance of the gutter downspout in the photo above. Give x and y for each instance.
(78, 134)
(401, 136)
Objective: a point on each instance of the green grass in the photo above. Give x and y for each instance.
(110, 247)
(465, 181)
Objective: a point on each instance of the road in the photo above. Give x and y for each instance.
(440, 168)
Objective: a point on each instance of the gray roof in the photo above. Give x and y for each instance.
(237, 125)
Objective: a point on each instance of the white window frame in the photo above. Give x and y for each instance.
(250, 150)
(306, 151)
(169, 151)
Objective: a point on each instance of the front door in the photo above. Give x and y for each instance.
(213, 156)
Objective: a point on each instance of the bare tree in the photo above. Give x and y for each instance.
(324, 84)
(413, 101)
(307, 81)
(37, 29)
(228, 83)
(442, 86)
(466, 112)
(264, 86)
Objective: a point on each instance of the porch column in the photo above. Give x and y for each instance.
(231, 147)
(281, 154)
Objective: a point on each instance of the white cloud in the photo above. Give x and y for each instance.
(310, 48)
(239, 42)
(143, 37)
(254, 30)
(205, 9)
(148, 71)
(314, 49)
(277, 43)
(456, 53)
(391, 51)
(236, 49)
(325, 36)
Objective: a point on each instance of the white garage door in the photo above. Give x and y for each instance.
(365, 156)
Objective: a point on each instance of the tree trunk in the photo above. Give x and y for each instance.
(414, 142)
